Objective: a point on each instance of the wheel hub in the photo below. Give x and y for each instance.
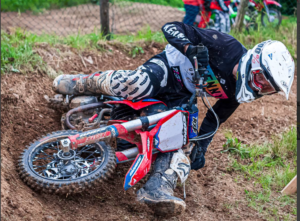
(66, 156)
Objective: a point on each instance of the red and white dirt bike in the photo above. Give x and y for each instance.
(269, 10)
(70, 161)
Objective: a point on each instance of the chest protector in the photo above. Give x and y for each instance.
(181, 65)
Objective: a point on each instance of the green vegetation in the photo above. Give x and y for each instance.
(286, 33)
(269, 167)
(17, 52)
(289, 7)
(37, 5)
(17, 49)
(172, 3)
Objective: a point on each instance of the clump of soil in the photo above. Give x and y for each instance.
(25, 116)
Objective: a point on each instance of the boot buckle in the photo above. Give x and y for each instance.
(80, 85)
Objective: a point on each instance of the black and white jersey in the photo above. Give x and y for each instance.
(224, 53)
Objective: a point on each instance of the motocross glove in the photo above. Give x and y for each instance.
(197, 158)
(201, 54)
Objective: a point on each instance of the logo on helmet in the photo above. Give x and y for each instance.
(259, 47)
(255, 59)
(270, 56)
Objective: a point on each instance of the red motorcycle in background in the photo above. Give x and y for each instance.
(269, 9)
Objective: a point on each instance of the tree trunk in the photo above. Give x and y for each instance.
(240, 16)
(104, 16)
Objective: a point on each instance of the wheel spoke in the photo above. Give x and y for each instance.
(59, 167)
(43, 158)
(89, 155)
(88, 146)
(42, 152)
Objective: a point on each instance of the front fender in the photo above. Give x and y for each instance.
(272, 2)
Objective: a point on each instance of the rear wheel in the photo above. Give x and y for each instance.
(274, 20)
(45, 167)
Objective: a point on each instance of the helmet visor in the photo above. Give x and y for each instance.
(261, 83)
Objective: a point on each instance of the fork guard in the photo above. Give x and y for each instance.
(142, 163)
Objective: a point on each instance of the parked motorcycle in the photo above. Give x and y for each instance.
(270, 14)
(269, 9)
(70, 161)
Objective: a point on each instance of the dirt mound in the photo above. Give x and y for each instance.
(63, 59)
(25, 116)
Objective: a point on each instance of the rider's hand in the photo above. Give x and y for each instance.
(202, 55)
(197, 158)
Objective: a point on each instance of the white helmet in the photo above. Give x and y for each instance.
(276, 63)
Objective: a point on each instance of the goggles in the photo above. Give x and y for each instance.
(258, 77)
(261, 83)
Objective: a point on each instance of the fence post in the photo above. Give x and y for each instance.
(104, 16)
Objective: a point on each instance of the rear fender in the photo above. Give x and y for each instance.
(271, 2)
(138, 104)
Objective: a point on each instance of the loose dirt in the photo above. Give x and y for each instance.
(25, 116)
(124, 17)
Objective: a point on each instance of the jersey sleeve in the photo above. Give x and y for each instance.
(223, 108)
(179, 34)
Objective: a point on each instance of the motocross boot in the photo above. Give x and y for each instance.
(158, 191)
(93, 84)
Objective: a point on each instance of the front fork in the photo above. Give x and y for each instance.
(267, 11)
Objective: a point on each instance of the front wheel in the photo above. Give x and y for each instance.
(45, 167)
(273, 20)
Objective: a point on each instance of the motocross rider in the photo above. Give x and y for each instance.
(192, 8)
(236, 75)
(221, 11)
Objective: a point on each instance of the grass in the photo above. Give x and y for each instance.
(37, 6)
(286, 33)
(172, 3)
(17, 50)
(270, 167)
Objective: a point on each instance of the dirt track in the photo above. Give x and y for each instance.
(26, 116)
(124, 17)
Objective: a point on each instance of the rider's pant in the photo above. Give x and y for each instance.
(222, 21)
(191, 12)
